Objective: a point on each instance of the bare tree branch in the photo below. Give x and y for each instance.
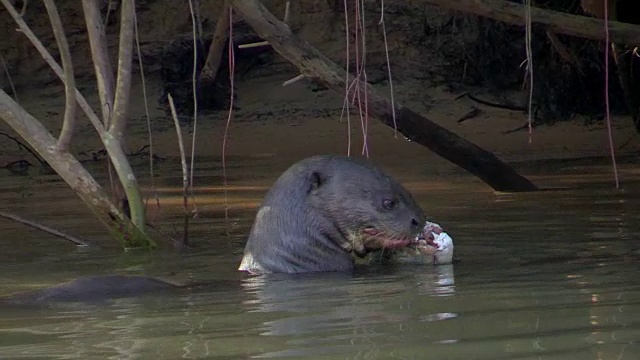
(104, 72)
(24, 28)
(100, 57)
(214, 56)
(112, 144)
(72, 172)
(123, 83)
(69, 80)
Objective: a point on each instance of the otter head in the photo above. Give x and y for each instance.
(370, 209)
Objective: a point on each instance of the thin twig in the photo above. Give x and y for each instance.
(562, 50)
(529, 64)
(357, 60)
(196, 11)
(226, 128)
(469, 114)
(252, 45)
(525, 126)
(44, 228)
(146, 110)
(292, 80)
(286, 12)
(185, 179)
(24, 8)
(606, 92)
(496, 105)
(69, 121)
(363, 66)
(628, 141)
(386, 51)
(22, 145)
(109, 8)
(345, 105)
(195, 105)
(360, 72)
(266, 43)
(6, 71)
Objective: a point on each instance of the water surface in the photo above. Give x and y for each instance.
(550, 275)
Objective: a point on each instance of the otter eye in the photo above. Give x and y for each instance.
(389, 204)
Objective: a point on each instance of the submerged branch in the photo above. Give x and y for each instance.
(69, 122)
(44, 228)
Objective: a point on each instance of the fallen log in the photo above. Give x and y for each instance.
(415, 127)
(562, 23)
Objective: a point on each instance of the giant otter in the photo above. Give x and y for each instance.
(322, 209)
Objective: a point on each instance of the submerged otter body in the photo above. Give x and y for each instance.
(92, 289)
(324, 208)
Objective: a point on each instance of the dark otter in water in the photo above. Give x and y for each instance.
(318, 212)
(92, 289)
(322, 209)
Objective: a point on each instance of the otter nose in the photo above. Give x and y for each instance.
(416, 225)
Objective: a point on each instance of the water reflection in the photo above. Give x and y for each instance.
(328, 314)
(545, 276)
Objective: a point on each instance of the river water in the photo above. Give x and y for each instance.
(547, 275)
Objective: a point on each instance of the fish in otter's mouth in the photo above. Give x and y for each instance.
(431, 245)
(427, 238)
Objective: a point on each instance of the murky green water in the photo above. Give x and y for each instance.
(551, 275)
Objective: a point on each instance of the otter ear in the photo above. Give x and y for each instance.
(316, 180)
